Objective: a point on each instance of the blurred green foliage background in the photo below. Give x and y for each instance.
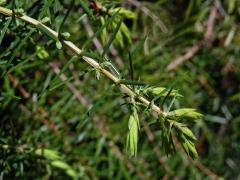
(53, 102)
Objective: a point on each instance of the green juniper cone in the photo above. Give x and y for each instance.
(132, 135)
(161, 91)
(185, 113)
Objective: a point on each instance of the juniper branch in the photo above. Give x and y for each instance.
(54, 35)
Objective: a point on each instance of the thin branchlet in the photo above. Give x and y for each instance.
(54, 35)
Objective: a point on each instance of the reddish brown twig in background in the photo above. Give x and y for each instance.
(19, 86)
(149, 13)
(210, 23)
(156, 150)
(98, 44)
(204, 82)
(75, 91)
(196, 162)
(208, 38)
(189, 54)
(204, 169)
(26, 95)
